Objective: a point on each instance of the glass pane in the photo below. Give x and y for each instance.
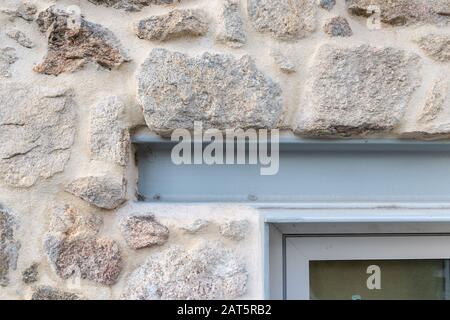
(379, 279)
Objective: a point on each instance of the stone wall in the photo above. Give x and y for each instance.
(75, 87)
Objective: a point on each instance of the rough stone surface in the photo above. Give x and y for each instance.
(25, 10)
(283, 19)
(132, 5)
(109, 136)
(231, 27)
(73, 44)
(104, 192)
(50, 293)
(9, 247)
(219, 90)
(338, 27)
(403, 12)
(74, 249)
(42, 122)
(437, 46)
(175, 24)
(433, 121)
(358, 90)
(438, 100)
(207, 272)
(195, 226)
(440, 131)
(235, 229)
(21, 38)
(141, 231)
(97, 260)
(326, 4)
(31, 274)
(7, 58)
(285, 64)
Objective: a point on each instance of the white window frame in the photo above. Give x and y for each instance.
(300, 250)
(365, 223)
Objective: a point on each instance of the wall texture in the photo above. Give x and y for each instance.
(75, 87)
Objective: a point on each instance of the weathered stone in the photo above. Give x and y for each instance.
(110, 137)
(283, 62)
(110, 3)
(73, 42)
(433, 121)
(74, 249)
(98, 260)
(175, 24)
(21, 38)
(68, 222)
(326, 4)
(338, 27)
(437, 46)
(235, 229)
(195, 226)
(7, 58)
(25, 11)
(132, 5)
(231, 28)
(103, 192)
(31, 274)
(283, 19)
(440, 131)
(9, 247)
(207, 272)
(142, 230)
(50, 293)
(358, 90)
(401, 12)
(426, 136)
(219, 90)
(438, 100)
(42, 122)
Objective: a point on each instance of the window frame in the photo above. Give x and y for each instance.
(278, 229)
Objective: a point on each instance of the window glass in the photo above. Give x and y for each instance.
(379, 279)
